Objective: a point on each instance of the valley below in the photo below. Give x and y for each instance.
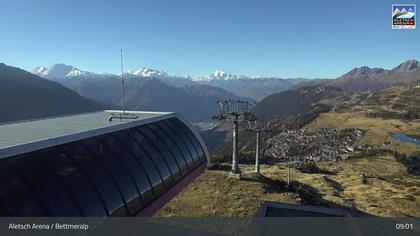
(343, 157)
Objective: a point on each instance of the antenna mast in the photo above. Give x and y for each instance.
(118, 114)
(122, 82)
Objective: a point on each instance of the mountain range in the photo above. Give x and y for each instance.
(364, 78)
(254, 88)
(148, 89)
(62, 71)
(358, 79)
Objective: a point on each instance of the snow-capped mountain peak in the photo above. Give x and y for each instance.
(61, 71)
(77, 73)
(149, 73)
(41, 71)
(220, 75)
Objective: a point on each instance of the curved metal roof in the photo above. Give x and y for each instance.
(26, 136)
(83, 165)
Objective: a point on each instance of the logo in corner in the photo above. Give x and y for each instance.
(403, 16)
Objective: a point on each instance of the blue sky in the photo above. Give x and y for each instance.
(303, 38)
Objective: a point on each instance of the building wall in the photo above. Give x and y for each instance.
(114, 174)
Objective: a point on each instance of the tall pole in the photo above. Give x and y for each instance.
(234, 110)
(122, 82)
(258, 127)
(257, 153)
(288, 175)
(236, 173)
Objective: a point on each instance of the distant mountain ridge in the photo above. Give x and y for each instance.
(364, 78)
(149, 73)
(27, 96)
(357, 80)
(364, 71)
(62, 71)
(243, 86)
(221, 75)
(256, 89)
(407, 66)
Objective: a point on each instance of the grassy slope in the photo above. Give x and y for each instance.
(385, 193)
(214, 194)
(389, 190)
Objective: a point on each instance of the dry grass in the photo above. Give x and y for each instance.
(214, 194)
(388, 190)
